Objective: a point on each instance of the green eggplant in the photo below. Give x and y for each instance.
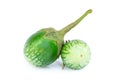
(75, 54)
(44, 46)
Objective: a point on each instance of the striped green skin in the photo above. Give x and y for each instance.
(40, 51)
(75, 54)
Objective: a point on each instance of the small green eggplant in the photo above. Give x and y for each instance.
(75, 54)
(43, 47)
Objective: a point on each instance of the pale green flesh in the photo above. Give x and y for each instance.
(75, 54)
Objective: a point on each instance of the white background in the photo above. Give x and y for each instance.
(101, 30)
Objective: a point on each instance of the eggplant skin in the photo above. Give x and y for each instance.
(40, 51)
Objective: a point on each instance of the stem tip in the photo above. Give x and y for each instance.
(89, 11)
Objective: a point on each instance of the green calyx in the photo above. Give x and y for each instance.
(43, 47)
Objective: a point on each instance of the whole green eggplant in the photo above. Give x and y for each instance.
(43, 47)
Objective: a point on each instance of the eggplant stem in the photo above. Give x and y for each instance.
(63, 66)
(73, 24)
